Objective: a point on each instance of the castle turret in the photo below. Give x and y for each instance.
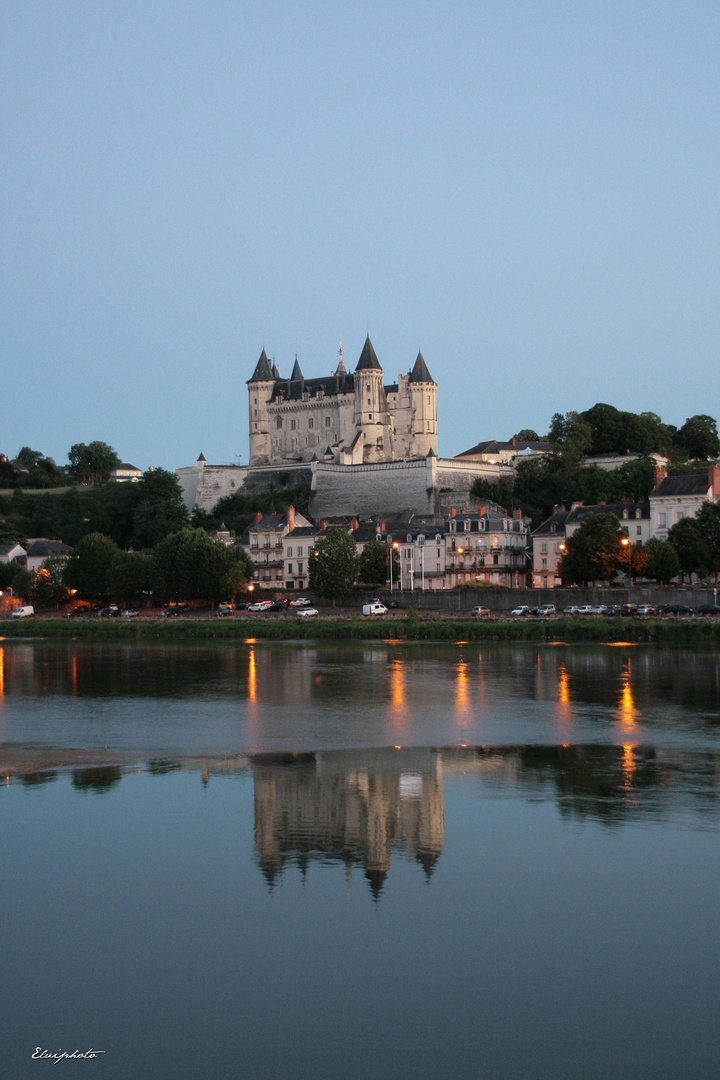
(423, 398)
(371, 413)
(260, 388)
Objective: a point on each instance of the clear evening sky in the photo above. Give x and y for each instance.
(528, 192)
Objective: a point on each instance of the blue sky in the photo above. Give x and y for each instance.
(528, 192)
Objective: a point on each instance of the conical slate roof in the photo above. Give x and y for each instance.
(297, 374)
(202, 457)
(263, 371)
(368, 360)
(275, 371)
(420, 372)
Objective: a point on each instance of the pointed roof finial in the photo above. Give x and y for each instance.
(297, 375)
(341, 369)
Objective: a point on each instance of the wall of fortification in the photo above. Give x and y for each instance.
(367, 490)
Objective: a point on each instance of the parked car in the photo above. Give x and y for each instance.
(223, 611)
(307, 613)
(23, 612)
(586, 609)
(393, 604)
(260, 605)
(301, 601)
(648, 609)
(709, 609)
(523, 609)
(546, 609)
(375, 608)
(680, 609)
(279, 605)
(126, 613)
(76, 612)
(572, 609)
(480, 611)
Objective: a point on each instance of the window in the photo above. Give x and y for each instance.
(311, 423)
(289, 568)
(662, 520)
(543, 548)
(638, 530)
(421, 541)
(289, 553)
(327, 421)
(409, 538)
(299, 552)
(254, 542)
(254, 412)
(300, 568)
(438, 553)
(293, 425)
(278, 421)
(267, 541)
(680, 515)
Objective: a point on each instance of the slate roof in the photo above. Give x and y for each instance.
(368, 360)
(618, 509)
(331, 385)
(495, 446)
(297, 375)
(5, 549)
(557, 520)
(44, 548)
(695, 484)
(263, 371)
(420, 372)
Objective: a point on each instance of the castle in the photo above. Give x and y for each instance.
(343, 418)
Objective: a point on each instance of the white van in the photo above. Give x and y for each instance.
(23, 612)
(375, 608)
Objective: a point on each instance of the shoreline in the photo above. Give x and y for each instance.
(570, 629)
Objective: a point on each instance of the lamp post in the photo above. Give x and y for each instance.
(626, 543)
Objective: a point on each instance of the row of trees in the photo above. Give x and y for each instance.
(89, 463)
(603, 429)
(185, 565)
(600, 549)
(336, 567)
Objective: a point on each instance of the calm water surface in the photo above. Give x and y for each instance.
(360, 861)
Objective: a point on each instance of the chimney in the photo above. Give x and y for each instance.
(513, 442)
(382, 527)
(505, 512)
(482, 511)
(290, 517)
(517, 514)
(323, 524)
(714, 480)
(575, 505)
(258, 518)
(453, 512)
(659, 475)
(354, 524)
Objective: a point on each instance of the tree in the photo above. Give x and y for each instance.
(687, 538)
(593, 553)
(662, 561)
(188, 565)
(571, 435)
(160, 509)
(374, 563)
(92, 463)
(48, 585)
(527, 434)
(334, 565)
(708, 518)
(698, 437)
(127, 574)
(87, 569)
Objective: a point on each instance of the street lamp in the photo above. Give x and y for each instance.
(626, 543)
(392, 548)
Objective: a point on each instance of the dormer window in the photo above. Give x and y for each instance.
(409, 538)
(421, 540)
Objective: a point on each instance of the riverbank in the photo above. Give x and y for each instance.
(671, 630)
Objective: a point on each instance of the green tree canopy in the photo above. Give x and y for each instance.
(334, 565)
(188, 565)
(128, 573)
(92, 463)
(594, 552)
(662, 561)
(698, 437)
(159, 508)
(87, 568)
(686, 536)
(374, 564)
(527, 434)
(571, 435)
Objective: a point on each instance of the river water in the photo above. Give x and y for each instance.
(360, 860)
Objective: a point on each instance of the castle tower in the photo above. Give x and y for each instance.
(260, 388)
(371, 412)
(423, 398)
